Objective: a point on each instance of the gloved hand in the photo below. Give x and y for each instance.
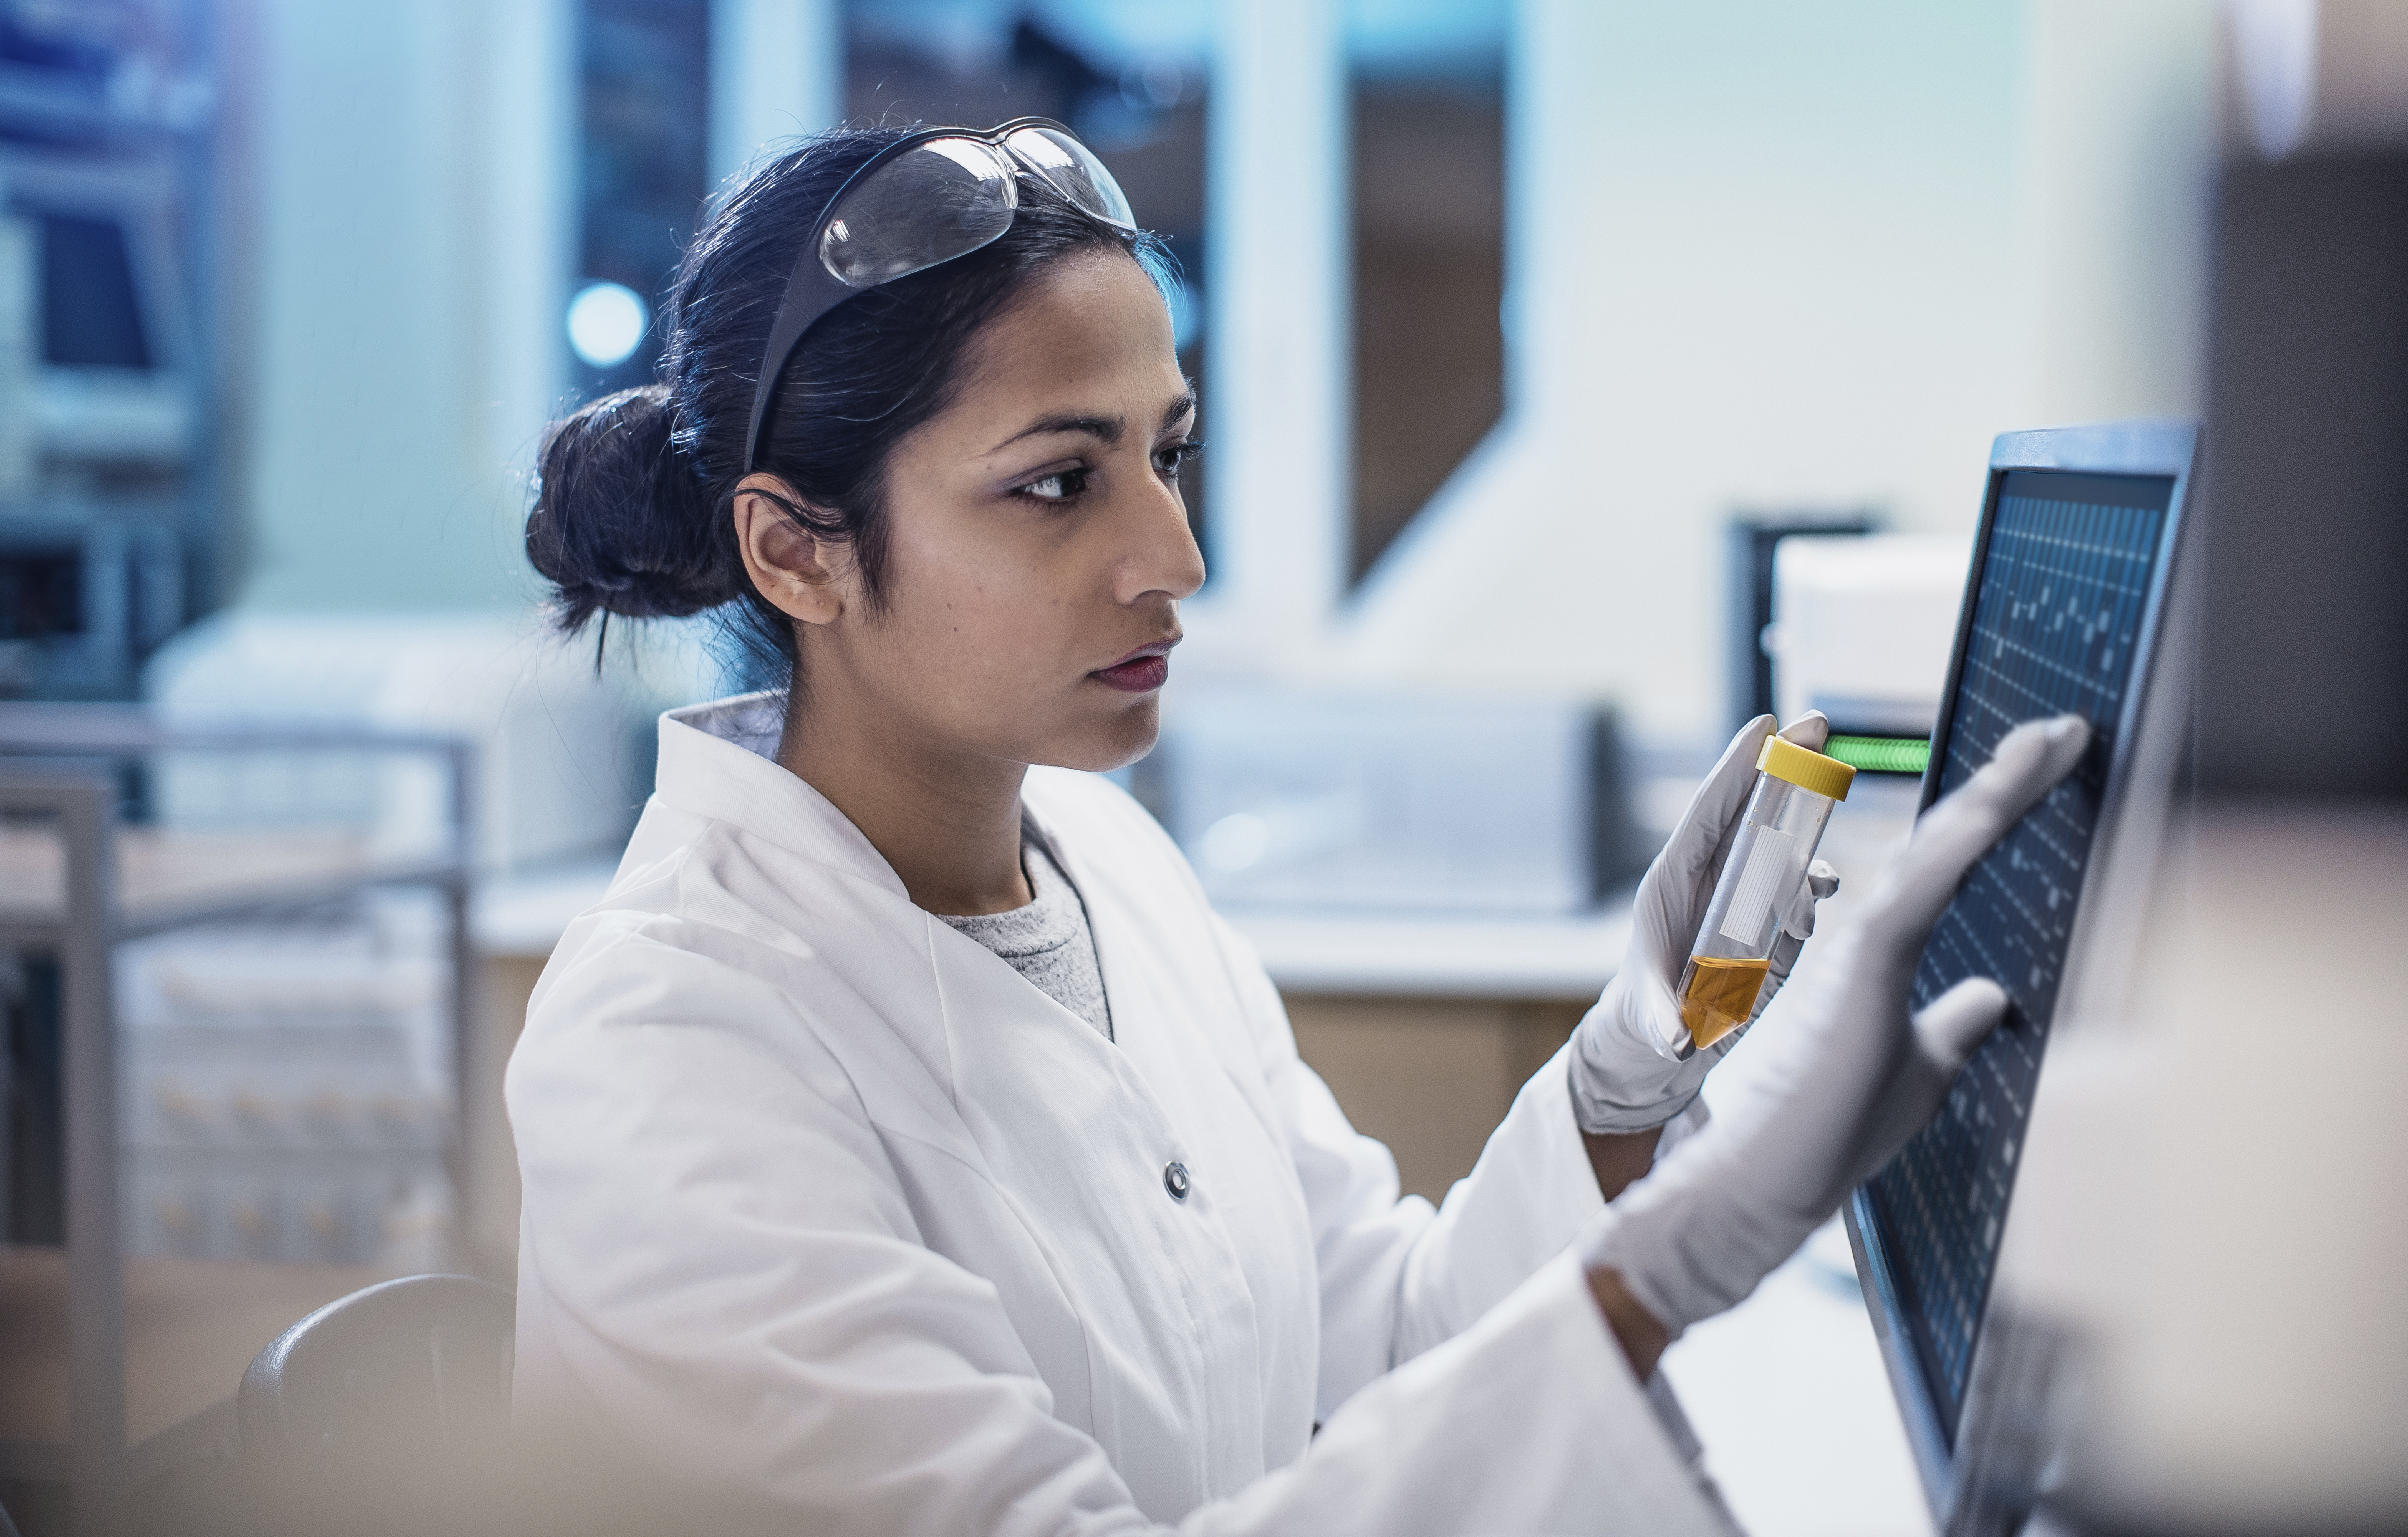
(1855, 1076)
(1626, 1071)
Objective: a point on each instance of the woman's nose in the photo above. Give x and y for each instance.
(1165, 558)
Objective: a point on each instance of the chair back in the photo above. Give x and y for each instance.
(383, 1410)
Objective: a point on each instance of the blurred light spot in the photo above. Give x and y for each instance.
(1156, 83)
(1235, 843)
(606, 324)
(2276, 44)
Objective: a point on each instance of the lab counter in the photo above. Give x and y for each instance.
(1539, 957)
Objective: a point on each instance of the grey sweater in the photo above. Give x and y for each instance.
(1048, 941)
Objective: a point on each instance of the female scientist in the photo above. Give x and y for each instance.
(906, 1146)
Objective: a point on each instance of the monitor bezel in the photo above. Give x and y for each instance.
(2136, 448)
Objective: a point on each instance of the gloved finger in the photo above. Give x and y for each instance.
(1810, 730)
(1945, 1033)
(1963, 827)
(1657, 1015)
(1958, 1019)
(1821, 882)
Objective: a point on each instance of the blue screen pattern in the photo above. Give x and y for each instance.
(2063, 596)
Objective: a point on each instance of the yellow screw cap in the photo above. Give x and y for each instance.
(1805, 768)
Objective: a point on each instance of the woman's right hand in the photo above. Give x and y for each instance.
(1857, 1075)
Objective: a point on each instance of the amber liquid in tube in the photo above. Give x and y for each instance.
(1717, 995)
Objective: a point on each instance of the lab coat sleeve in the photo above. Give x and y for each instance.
(787, 1351)
(1396, 1277)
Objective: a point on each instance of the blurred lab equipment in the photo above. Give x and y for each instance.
(563, 751)
(81, 602)
(287, 1085)
(109, 468)
(1881, 754)
(1861, 627)
(220, 1135)
(1755, 538)
(1795, 790)
(1392, 802)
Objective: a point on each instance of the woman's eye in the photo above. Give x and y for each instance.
(1170, 458)
(1060, 486)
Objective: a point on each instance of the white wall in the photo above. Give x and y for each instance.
(1758, 256)
(2116, 141)
(414, 178)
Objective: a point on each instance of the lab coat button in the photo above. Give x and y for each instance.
(1174, 1179)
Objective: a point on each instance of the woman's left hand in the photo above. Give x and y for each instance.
(1626, 1071)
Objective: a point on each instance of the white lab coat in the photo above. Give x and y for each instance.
(831, 1214)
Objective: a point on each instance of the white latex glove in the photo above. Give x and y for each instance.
(1631, 1065)
(1856, 1077)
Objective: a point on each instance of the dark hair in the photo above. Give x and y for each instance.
(632, 507)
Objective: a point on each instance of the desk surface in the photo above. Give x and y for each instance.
(1401, 955)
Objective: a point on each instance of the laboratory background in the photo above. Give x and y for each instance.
(1579, 378)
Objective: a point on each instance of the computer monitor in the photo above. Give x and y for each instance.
(2065, 606)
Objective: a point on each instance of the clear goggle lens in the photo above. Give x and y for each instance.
(1074, 171)
(934, 202)
(948, 196)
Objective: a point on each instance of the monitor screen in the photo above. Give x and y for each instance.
(91, 309)
(2067, 569)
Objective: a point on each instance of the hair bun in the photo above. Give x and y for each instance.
(616, 526)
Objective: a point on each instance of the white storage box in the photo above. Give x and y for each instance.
(1862, 626)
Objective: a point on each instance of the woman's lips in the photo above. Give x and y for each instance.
(1141, 671)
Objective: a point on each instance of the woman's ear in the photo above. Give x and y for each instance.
(808, 577)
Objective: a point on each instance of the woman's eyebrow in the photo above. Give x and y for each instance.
(1107, 428)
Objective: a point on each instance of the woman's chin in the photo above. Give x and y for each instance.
(1127, 734)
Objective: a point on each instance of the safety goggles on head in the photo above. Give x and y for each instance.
(924, 200)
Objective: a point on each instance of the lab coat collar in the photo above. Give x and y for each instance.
(718, 760)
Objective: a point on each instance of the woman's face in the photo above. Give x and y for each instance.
(1037, 545)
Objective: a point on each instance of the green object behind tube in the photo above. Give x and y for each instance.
(1881, 754)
